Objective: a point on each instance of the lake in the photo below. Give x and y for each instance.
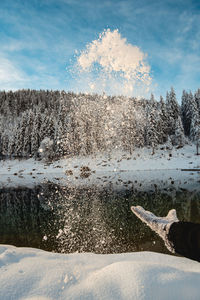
(92, 218)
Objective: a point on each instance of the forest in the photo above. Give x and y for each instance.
(54, 124)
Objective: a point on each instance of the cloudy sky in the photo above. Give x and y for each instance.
(40, 38)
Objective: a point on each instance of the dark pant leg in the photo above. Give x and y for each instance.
(185, 239)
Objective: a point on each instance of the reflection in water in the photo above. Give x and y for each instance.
(67, 219)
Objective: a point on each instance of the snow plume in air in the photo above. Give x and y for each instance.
(111, 65)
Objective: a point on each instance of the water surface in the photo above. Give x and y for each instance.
(91, 218)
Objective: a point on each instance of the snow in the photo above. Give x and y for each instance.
(33, 274)
(104, 169)
(121, 66)
(28, 274)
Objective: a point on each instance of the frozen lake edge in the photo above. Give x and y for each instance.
(103, 169)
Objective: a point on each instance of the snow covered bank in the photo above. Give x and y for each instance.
(116, 168)
(28, 273)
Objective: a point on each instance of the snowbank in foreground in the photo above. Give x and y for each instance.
(29, 274)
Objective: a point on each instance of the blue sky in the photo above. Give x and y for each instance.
(39, 39)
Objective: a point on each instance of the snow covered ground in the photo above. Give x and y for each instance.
(32, 274)
(103, 169)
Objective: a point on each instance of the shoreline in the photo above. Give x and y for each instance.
(119, 170)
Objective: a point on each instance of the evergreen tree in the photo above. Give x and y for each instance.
(1, 135)
(27, 144)
(162, 125)
(197, 99)
(152, 134)
(21, 134)
(5, 143)
(35, 135)
(184, 108)
(188, 107)
(62, 144)
(173, 110)
(178, 138)
(11, 144)
(195, 129)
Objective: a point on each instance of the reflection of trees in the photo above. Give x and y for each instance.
(87, 219)
(22, 217)
(101, 221)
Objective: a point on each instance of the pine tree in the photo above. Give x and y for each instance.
(62, 144)
(162, 122)
(11, 144)
(184, 105)
(0, 145)
(178, 138)
(21, 134)
(35, 135)
(27, 146)
(1, 136)
(63, 130)
(152, 134)
(128, 133)
(5, 143)
(197, 99)
(173, 110)
(47, 128)
(188, 107)
(195, 129)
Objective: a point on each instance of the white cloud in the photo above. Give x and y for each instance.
(113, 65)
(10, 75)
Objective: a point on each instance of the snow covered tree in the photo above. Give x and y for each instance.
(184, 108)
(173, 110)
(152, 134)
(152, 99)
(5, 143)
(46, 149)
(11, 143)
(81, 124)
(35, 134)
(27, 144)
(178, 138)
(63, 126)
(129, 133)
(195, 129)
(47, 128)
(197, 99)
(62, 140)
(0, 145)
(188, 107)
(139, 128)
(21, 134)
(162, 124)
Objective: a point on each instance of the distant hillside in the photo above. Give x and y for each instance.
(71, 124)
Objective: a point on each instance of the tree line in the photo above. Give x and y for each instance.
(56, 123)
